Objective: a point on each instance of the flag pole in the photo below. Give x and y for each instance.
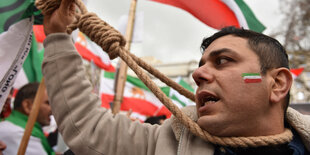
(32, 118)
(122, 71)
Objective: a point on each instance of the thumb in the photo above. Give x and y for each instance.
(65, 6)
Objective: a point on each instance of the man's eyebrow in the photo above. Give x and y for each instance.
(216, 53)
(220, 51)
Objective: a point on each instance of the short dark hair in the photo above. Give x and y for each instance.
(270, 52)
(155, 119)
(28, 91)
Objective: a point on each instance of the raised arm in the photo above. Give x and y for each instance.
(87, 128)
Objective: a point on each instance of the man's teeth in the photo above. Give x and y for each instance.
(208, 102)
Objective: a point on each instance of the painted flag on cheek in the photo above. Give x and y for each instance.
(251, 77)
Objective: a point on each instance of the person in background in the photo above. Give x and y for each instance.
(12, 129)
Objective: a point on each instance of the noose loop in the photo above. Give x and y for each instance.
(113, 43)
(109, 39)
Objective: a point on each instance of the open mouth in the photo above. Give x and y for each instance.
(208, 99)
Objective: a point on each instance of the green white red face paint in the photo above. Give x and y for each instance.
(251, 77)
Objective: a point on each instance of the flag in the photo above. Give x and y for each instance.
(251, 77)
(15, 45)
(92, 52)
(38, 31)
(177, 98)
(89, 50)
(138, 98)
(12, 11)
(296, 72)
(17, 18)
(219, 13)
(31, 70)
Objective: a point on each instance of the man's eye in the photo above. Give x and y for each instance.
(221, 61)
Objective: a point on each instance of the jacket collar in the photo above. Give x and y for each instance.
(300, 122)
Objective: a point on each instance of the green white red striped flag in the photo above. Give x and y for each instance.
(219, 13)
(177, 98)
(91, 52)
(137, 97)
(251, 77)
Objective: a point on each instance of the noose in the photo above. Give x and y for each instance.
(113, 43)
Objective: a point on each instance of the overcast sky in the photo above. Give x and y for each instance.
(171, 34)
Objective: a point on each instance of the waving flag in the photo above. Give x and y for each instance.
(31, 70)
(92, 52)
(219, 13)
(15, 40)
(138, 98)
(177, 98)
(296, 72)
(11, 62)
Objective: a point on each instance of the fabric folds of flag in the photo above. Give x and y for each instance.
(13, 56)
(177, 98)
(219, 13)
(31, 70)
(138, 98)
(17, 19)
(92, 52)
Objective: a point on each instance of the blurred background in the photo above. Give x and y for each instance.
(170, 37)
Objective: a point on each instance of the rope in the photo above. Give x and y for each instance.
(113, 43)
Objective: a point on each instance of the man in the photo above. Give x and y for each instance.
(230, 102)
(12, 129)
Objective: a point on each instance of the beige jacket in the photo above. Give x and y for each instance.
(89, 129)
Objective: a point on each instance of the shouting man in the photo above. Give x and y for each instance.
(243, 84)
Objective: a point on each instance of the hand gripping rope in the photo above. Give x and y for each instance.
(113, 43)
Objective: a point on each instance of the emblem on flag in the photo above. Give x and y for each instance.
(251, 77)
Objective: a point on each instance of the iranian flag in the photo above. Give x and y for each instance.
(138, 98)
(17, 18)
(219, 13)
(296, 72)
(177, 98)
(90, 51)
(251, 77)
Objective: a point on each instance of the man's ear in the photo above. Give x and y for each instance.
(282, 84)
(27, 105)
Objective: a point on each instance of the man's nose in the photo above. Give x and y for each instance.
(50, 110)
(203, 74)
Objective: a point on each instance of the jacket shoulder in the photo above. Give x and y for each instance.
(177, 126)
(301, 123)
